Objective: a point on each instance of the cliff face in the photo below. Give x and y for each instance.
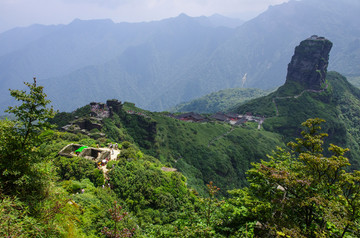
(309, 63)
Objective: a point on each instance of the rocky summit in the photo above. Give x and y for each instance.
(309, 63)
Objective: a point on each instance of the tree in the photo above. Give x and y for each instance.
(117, 216)
(211, 204)
(32, 114)
(302, 193)
(19, 158)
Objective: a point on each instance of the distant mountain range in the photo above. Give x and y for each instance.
(159, 64)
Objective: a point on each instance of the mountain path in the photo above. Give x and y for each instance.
(113, 156)
(296, 96)
(221, 136)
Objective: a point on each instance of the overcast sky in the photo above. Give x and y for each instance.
(14, 13)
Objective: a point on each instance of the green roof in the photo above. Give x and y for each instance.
(81, 149)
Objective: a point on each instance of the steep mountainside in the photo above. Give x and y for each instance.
(159, 64)
(144, 71)
(307, 93)
(138, 60)
(262, 46)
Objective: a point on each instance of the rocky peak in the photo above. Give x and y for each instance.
(309, 63)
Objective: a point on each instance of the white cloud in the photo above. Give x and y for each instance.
(100, 3)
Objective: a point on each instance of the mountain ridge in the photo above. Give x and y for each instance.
(258, 48)
(220, 101)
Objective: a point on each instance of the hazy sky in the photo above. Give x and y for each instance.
(15, 13)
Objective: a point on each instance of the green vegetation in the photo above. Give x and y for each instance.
(153, 195)
(22, 170)
(206, 152)
(300, 192)
(203, 152)
(338, 105)
(220, 101)
(50, 196)
(78, 168)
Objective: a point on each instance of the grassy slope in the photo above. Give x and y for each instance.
(211, 151)
(338, 105)
(191, 148)
(220, 101)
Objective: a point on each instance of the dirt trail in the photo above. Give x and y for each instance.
(296, 96)
(113, 156)
(221, 136)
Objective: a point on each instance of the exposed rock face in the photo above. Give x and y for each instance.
(309, 63)
(114, 105)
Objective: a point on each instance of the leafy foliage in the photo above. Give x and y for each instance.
(20, 163)
(15, 219)
(78, 168)
(117, 216)
(211, 204)
(32, 114)
(302, 193)
(152, 194)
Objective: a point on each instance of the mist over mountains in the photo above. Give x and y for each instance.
(159, 64)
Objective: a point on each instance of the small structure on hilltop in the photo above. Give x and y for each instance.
(114, 106)
(241, 121)
(84, 126)
(98, 111)
(102, 110)
(219, 116)
(191, 116)
(167, 169)
(75, 150)
(315, 37)
(89, 123)
(232, 116)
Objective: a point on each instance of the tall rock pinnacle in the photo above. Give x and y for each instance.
(309, 63)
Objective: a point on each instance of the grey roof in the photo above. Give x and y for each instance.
(190, 115)
(220, 117)
(231, 114)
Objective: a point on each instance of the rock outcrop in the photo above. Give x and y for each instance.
(309, 63)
